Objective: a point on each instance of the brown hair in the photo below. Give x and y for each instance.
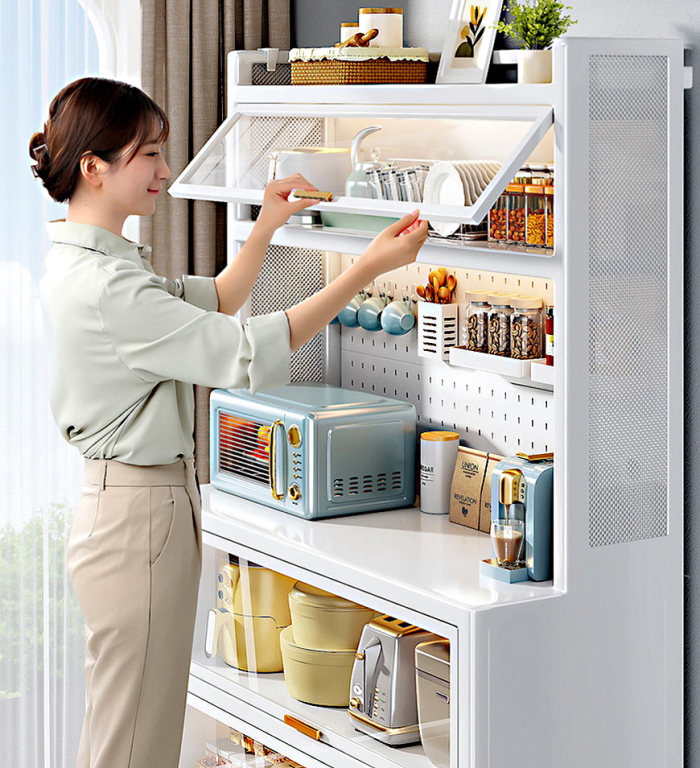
(97, 116)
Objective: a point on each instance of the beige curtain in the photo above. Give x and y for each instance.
(184, 47)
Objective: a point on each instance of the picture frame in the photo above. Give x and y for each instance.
(466, 52)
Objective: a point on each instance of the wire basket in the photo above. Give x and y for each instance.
(336, 72)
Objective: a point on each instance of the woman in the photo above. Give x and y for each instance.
(128, 346)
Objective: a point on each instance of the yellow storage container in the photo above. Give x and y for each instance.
(325, 621)
(316, 676)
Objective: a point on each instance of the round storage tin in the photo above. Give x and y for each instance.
(389, 22)
(324, 621)
(438, 455)
(315, 676)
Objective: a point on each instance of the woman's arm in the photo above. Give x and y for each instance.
(394, 247)
(236, 281)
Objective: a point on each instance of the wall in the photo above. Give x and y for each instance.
(317, 22)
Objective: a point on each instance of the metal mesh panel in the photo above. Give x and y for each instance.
(287, 277)
(628, 400)
(260, 75)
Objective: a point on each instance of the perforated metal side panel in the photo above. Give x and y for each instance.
(628, 400)
(287, 277)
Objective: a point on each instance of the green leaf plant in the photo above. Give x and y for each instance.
(535, 24)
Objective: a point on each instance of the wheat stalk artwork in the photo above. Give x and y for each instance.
(471, 32)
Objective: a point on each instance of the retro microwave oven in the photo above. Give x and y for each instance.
(314, 450)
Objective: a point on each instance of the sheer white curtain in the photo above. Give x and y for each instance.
(44, 44)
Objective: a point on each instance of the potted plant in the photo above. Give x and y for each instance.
(535, 24)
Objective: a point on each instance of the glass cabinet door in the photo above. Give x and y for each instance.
(360, 680)
(257, 141)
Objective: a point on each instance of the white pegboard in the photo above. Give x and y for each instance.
(489, 413)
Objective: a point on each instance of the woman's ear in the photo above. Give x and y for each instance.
(92, 168)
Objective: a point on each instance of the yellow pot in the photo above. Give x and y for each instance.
(324, 621)
(252, 590)
(314, 676)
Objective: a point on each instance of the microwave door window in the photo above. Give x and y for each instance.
(244, 447)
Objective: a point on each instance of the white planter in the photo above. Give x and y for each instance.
(535, 66)
(437, 329)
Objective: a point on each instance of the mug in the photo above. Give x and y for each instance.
(348, 314)
(370, 312)
(398, 318)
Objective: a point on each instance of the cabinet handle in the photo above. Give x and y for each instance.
(305, 728)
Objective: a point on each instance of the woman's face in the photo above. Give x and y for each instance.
(132, 186)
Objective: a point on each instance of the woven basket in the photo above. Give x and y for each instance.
(357, 72)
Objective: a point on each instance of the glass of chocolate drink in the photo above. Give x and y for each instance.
(507, 539)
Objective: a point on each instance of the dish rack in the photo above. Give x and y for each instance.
(613, 112)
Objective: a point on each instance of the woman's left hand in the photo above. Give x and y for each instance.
(276, 209)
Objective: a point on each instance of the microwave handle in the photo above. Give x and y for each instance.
(273, 460)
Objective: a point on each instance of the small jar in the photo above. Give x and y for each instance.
(535, 221)
(438, 455)
(526, 327)
(498, 219)
(475, 334)
(499, 324)
(348, 29)
(549, 216)
(389, 22)
(517, 204)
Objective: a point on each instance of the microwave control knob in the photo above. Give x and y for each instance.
(294, 492)
(354, 703)
(294, 436)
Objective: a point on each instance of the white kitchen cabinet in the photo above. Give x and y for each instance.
(585, 670)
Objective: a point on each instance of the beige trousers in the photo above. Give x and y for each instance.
(134, 559)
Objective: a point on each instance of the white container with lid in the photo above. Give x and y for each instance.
(389, 22)
(348, 29)
(438, 455)
(433, 696)
(324, 621)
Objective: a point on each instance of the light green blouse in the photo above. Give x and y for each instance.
(128, 346)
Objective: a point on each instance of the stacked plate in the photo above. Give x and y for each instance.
(456, 182)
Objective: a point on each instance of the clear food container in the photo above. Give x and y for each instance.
(475, 334)
(535, 221)
(499, 324)
(498, 219)
(526, 327)
(516, 213)
(549, 216)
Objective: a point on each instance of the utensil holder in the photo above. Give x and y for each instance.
(437, 329)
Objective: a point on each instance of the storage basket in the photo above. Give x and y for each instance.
(374, 71)
(437, 329)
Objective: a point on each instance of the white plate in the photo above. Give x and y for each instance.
(468, 192)
(470, 182)
(444, 186)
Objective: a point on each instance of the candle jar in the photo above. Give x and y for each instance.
(389, 22)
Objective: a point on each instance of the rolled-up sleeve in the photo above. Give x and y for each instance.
(159, 337)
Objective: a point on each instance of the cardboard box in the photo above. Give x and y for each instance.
(485, 509)
(467, 482)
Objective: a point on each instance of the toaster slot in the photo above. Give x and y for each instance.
(244, 447)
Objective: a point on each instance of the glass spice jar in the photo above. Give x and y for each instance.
(498, 219)
(516, 211)
(499, 324)
(526, 327)
(549, 216)
(475, 334)
(535, 222)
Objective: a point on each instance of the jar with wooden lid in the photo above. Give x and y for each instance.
(499, 324)
(498, 219)
(389, 22)
(526, 327)
(348, 29)
(517, 207)
(475, 335)
(549, 216)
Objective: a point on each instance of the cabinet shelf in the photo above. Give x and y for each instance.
(478, 254)
(517, 371)
(405, 556)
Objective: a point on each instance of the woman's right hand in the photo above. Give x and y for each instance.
(397, 245)
(276, 208)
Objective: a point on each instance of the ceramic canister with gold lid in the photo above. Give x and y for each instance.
(348, 29)
(438, 455)
(389, 22)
